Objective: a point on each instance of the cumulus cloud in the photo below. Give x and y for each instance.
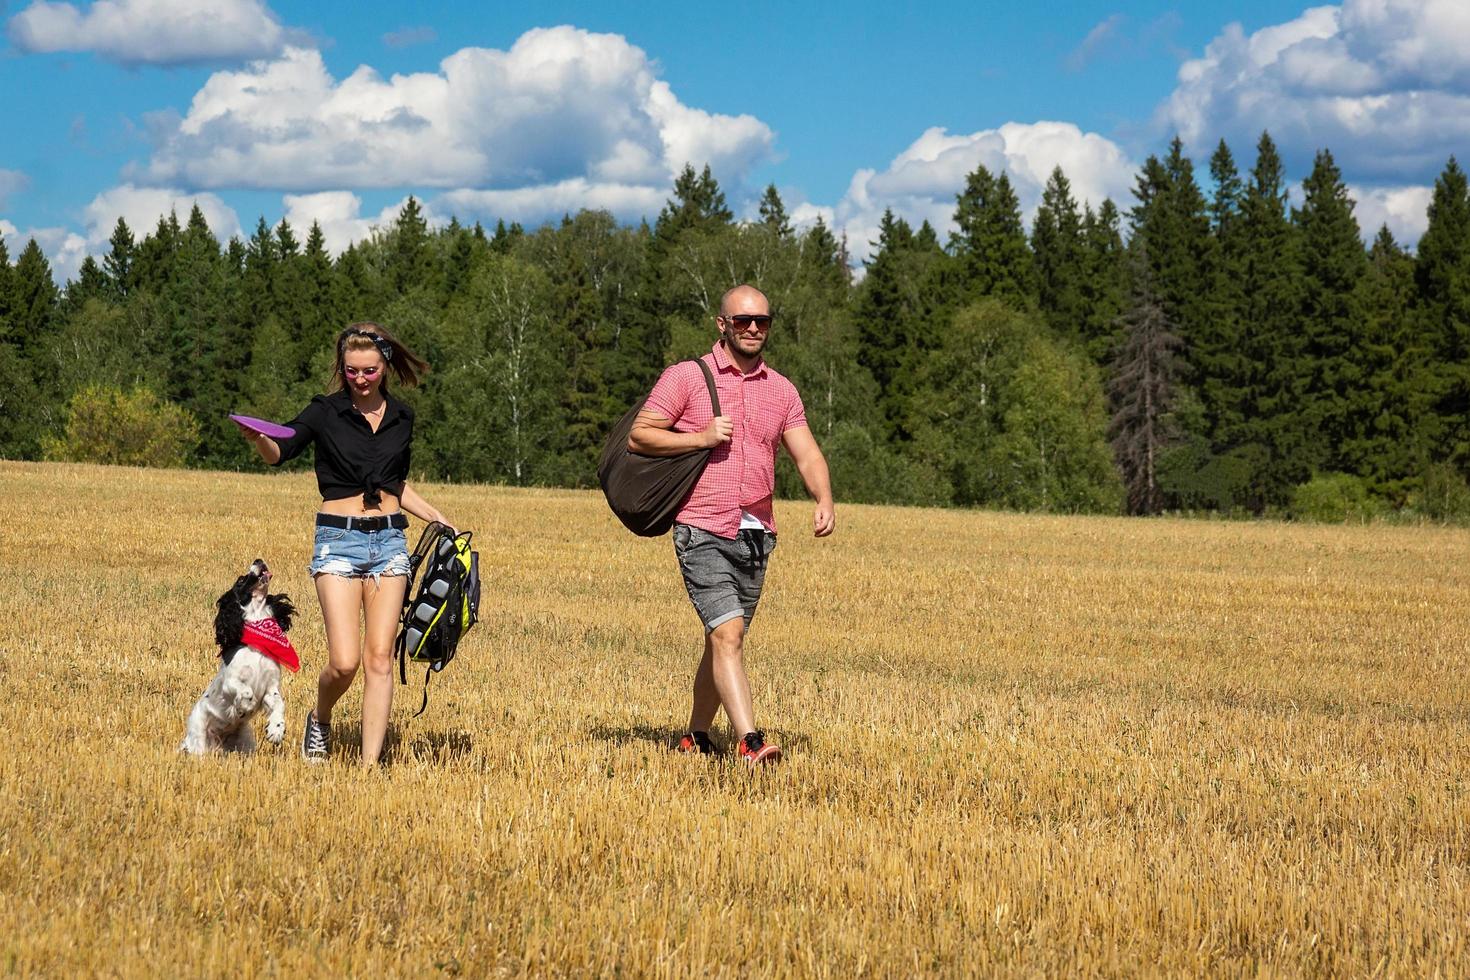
(921, 182)
(11, 182)
(155, 32)
(1385, 84)
(534, 204)
(1404, 209)
(340, 215)
(564, 113)
(142, 207)
(64, 248)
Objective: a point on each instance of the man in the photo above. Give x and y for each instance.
(725, 530)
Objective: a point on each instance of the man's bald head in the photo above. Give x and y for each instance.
(738, 299)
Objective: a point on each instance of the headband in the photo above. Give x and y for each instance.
(384, 348)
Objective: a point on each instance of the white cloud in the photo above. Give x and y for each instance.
(340, 215)
(1097, 39)
(1385, 84)
(64, 249)
(142, 207)
(1404, 209)
(564, 115)
(157, 32)
(921, 183)
(11, 182)
(533, 205)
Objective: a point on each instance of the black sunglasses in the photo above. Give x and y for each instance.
(743, 321)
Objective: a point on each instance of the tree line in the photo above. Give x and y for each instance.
(1210, 348)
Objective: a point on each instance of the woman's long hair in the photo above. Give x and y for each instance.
(406, 366)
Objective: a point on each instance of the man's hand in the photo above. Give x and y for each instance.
(720, 429)
(824, 520)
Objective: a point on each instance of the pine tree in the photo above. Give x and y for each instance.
(1443, 277)
(118, 263)
(1058, 247)
(1395, 447)
(1103, 283)
(33, 302)
(1336, 409)
(1267, 394)
(7, 286)
(411, 259)
(990, 241)
(773, 213)
(91, 283)
(1142, 389)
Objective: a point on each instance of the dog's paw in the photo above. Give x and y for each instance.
(275, 731)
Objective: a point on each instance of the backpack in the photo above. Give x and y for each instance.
(446, 605)
(646, 492)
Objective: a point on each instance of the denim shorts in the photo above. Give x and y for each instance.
(359, 554)
(723, 575)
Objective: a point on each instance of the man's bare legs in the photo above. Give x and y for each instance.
(720, 680)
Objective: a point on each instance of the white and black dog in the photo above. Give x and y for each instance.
(250, 627)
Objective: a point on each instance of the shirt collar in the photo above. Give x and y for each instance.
(342, 401)
(724, 363)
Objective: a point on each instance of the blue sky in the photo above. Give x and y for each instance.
(336, 112)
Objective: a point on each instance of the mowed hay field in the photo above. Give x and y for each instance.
(1014, 745)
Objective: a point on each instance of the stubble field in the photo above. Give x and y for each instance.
(1014, 745)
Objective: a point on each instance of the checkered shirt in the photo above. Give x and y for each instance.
(742, 472)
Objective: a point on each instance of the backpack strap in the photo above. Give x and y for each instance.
(709, 380)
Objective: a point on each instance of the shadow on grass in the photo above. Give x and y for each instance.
(664, 737)
(401, 746)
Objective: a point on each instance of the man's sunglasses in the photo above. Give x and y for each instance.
(743, 321)
(368, 373)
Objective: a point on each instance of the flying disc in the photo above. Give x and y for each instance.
(265, 428)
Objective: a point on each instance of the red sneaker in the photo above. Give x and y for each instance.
(695, 743)
(755, 750)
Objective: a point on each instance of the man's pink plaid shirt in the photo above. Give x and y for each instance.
(741, 474)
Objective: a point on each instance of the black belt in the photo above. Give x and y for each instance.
(398, 521)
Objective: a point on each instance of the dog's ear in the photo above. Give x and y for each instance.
(229, 620)
(281, 610)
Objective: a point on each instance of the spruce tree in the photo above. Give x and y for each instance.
(1443, 277)
(1395, 446)
(1142, 386)
(1058, 246)
(773, 213)
(1268, 394)
(990, 242)
(1337, 404)
(118, 263)
(1103, 284)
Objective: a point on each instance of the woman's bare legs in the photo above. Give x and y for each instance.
(341, 601)
(382, 601)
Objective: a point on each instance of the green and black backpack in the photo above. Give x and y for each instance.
(445, 606)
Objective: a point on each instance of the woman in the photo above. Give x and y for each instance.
(359, 562)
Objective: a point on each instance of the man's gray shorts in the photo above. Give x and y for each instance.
(723, 576)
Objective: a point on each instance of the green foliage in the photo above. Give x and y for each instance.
(1444, 495)
(1273, 347)
(1333, 498)
(126, 428)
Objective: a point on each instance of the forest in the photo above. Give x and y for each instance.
(1222, 343)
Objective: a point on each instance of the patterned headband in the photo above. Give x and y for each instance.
(384, 348)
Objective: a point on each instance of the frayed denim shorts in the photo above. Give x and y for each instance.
(359, 554)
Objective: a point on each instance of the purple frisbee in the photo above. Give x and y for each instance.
(265, 428)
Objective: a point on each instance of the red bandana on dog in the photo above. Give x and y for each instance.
(267, 636)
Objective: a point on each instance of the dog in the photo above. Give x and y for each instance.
(250, 626)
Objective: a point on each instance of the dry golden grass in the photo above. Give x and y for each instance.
(1015, 745)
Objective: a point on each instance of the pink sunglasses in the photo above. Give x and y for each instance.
(368, 373)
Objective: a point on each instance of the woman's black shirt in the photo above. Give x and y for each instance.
(351, 458)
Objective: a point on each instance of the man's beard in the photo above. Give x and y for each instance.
(730, 342)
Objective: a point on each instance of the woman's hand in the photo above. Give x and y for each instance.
(264, 444)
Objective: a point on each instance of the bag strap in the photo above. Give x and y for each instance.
(709, 380)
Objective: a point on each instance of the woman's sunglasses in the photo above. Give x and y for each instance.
(366, 373)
